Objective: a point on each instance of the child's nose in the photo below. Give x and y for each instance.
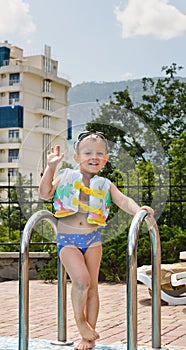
(94, 155)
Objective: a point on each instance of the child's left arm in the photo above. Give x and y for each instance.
(125, 203)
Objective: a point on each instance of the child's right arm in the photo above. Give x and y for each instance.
(126, 203)
(47, 185)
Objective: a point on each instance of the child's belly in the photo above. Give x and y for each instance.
(76, 223)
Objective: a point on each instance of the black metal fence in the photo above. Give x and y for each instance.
(18, 202)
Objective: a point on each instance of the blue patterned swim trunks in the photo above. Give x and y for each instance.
(81, 241)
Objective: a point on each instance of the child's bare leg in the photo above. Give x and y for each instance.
(79, 300)
(74, 263)
(92, 260)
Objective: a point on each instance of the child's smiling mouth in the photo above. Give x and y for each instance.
(94, 163)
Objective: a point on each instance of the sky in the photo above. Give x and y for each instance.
(99, 40)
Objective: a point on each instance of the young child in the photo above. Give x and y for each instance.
(81, 201)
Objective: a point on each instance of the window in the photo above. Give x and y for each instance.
(13, 172)
(46, 121)
(46, 85)
(11, 117)
(46, 103)
(13, 154)
(13, 135)
(4, 56)
(14, 78)
(69, 130)
(13, 97)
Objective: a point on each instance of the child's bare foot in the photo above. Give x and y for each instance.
(87, 332)
(85, 345)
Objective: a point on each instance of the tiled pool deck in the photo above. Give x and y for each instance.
(111, 325)
(9, 343)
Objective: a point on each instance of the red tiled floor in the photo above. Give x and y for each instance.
(112, 321)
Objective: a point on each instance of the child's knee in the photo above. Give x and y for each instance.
(82, 283)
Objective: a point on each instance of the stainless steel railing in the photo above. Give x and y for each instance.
(132, 280)
(24, 283)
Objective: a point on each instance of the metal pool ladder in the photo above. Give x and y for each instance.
(24, 283)
(131, 282)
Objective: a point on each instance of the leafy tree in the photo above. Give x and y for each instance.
(147, 129)
(177, 155)
(144, 136)
(164, 109)
(177, 167)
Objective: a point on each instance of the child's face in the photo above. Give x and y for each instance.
(91, 154)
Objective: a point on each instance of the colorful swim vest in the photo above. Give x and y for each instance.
(67, 197)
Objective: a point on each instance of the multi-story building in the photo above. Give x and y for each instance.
(33, 112)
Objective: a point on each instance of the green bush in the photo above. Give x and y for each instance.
(113, 264)
(173, 240)
(7, 235)
(48, 273)
(114, 260)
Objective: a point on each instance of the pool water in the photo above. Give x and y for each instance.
(10, 343)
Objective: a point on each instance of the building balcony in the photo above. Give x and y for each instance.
(42, 130)
(12, 67)
(11, 88)
(10, 143)
(13, 159)
(48, 94)
(14, 82)
(12, 164)
(11, 103)
(43, 111)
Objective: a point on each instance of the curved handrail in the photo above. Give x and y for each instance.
(132, 280)
(31, 223)
(24, 281)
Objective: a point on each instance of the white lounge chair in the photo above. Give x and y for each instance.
(179, 279)
(173, 282)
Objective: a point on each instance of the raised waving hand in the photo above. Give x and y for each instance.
(54, 156)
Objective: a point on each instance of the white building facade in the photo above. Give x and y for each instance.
(33, 112)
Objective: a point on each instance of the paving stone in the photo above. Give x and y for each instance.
(112, 321)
